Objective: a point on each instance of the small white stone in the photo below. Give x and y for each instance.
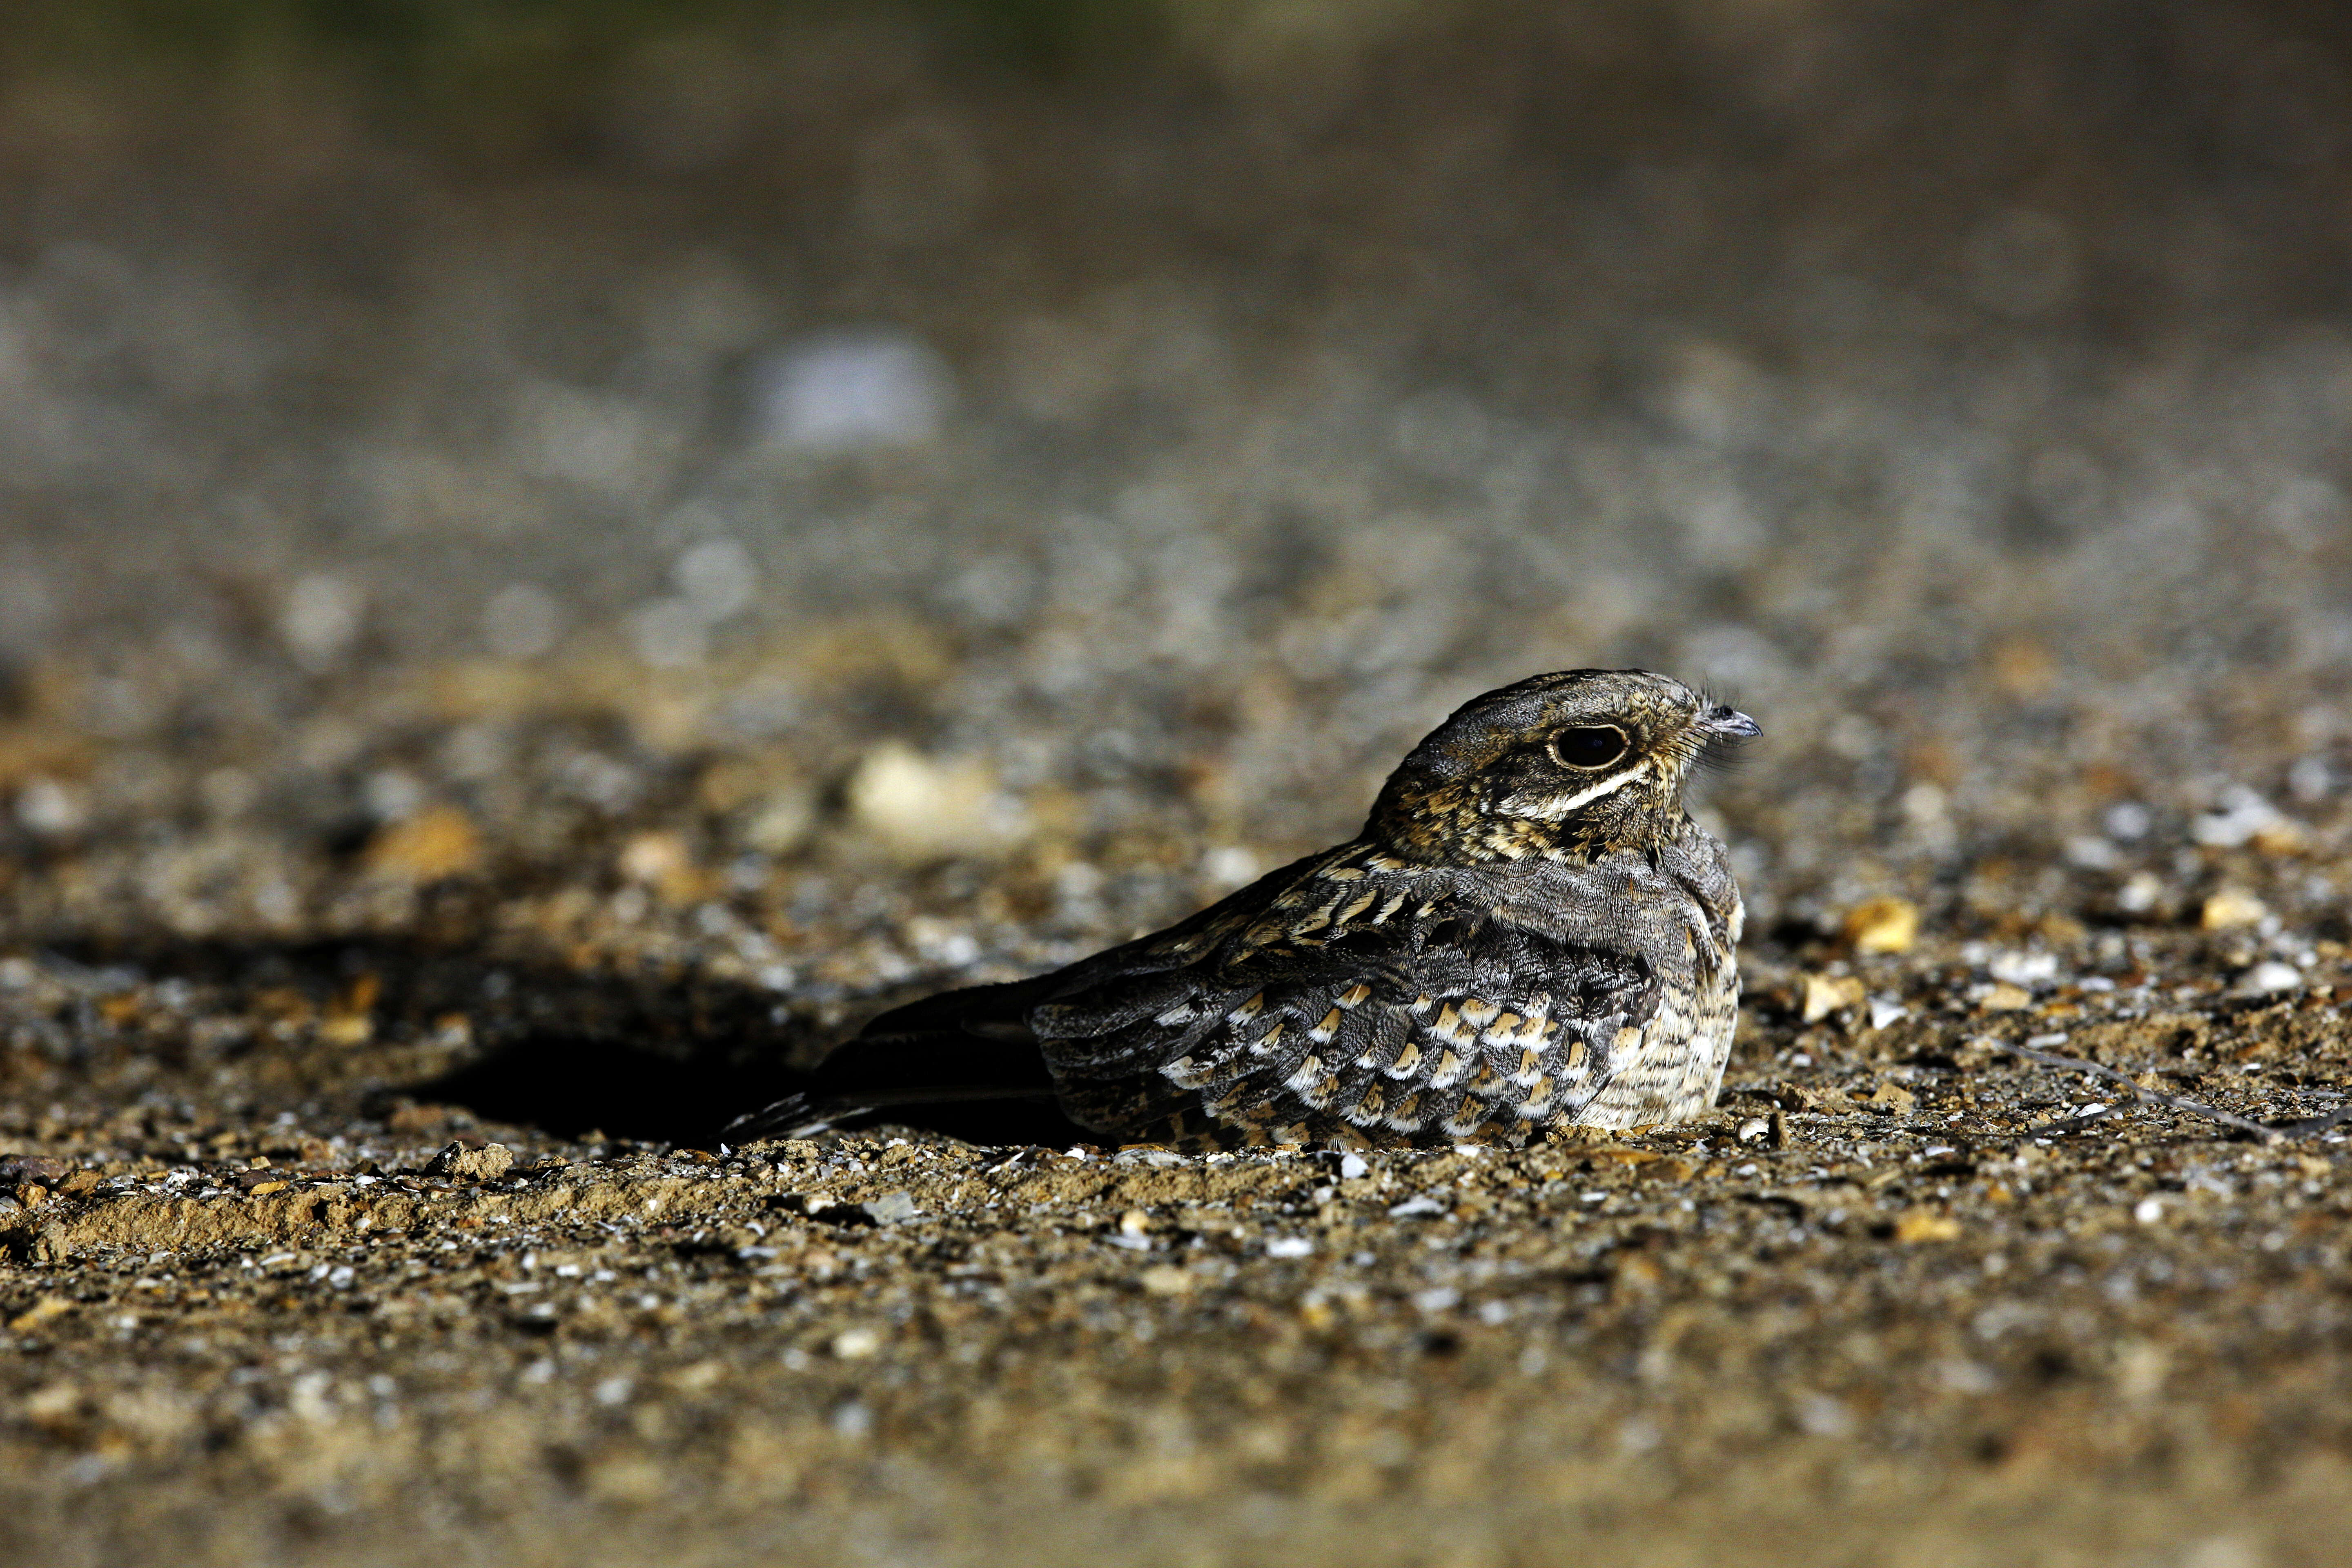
(2269, 977)
(2236, 818)
(1228, 866)
(2090, 852)
(321, 619)
(921, 807)
(891, 1208)
(847, 391)
(45, 806)
(2309, 779)
(716, 577)
(1820, 1416)
(2026, 969)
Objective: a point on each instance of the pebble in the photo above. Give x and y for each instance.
(1820, 1416)
(1893, 1096)
(2232, 908)
(919, 807)
(1880, 925)
(891, 1208)
(2004, 997)
(2269, 978)
(488, 1163)
(655, 858)
(436, 843)
(39, 1312)
(50, 808)
(857, 1343)
(2024, 968)
(1822, 994)
(1919, 1224)
(845, 391)
(1166, 1279)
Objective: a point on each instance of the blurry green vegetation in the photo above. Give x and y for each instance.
(506, 78)
(531, 77)
(415, 42)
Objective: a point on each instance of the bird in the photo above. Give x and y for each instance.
(1530, 936)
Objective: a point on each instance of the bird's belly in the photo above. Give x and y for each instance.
(1672, 1072)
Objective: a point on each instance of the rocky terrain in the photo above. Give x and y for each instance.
(510, 642)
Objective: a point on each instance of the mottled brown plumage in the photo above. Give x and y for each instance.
(1529, 934)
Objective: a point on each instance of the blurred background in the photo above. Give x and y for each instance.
(830, 494)
(554, 556)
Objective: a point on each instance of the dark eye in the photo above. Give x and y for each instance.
(1596, 747)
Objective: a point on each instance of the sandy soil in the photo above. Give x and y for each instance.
(488, 684)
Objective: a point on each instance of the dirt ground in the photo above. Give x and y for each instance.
(509, 642)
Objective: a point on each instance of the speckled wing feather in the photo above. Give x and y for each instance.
(1354, 1001)
(977, 1043)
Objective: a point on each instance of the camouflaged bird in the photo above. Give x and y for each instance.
(1530, 934)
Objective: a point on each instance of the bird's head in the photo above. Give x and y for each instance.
(1571, 765)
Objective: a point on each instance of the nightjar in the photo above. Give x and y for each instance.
(1529, 934)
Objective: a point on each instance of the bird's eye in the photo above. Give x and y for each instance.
(1593, 747)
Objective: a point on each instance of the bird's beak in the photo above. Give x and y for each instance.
(1730, 724)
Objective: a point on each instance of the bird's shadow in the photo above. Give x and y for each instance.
(652, 1058)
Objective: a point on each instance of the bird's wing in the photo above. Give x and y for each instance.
(1432, 1017)
(977, 1043)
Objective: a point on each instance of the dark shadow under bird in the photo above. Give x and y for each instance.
(1529, 934)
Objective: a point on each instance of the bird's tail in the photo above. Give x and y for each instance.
(795, 1116)
(956, 1048)
(806, 1115)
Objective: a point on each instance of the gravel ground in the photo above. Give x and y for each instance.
(503, 651)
